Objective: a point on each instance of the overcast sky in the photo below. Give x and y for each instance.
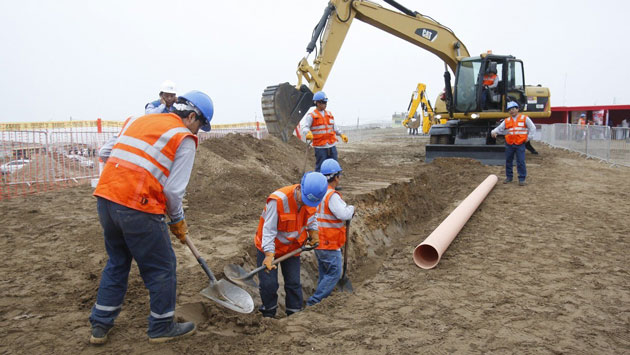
(87, 59)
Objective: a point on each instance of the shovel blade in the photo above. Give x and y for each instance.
(344, 284)
(239, 276)
(229, 296)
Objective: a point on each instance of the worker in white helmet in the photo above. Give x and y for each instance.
(168, 96)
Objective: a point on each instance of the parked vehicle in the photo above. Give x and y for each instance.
(13, 166)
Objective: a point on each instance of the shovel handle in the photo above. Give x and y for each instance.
(200, 260)
(282, 258)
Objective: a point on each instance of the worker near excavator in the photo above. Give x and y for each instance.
(147, 169)
(168, 96)
(331, 214)
(490, 83)
(320, 128)
(287, 222)
(517, 129)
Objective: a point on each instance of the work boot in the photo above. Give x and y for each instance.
(99, 335)
(522, 183)
(507, 181)
(535, 152)
(179, 330)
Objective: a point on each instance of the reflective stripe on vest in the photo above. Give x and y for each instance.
(516, 130)
(140, 162)
(332, 230)
(292, 223)
(323, 128)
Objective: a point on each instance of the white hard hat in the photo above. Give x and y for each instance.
(168, 87)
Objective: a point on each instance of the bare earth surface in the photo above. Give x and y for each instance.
(537, 269)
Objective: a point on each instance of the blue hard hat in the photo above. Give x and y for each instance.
(330, 167)
(583, 115)
(512, 104)
(204, 103)
(313, 186)
(320, 96)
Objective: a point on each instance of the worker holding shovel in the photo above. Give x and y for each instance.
(286, 223)
(331, 214)
(148, 166)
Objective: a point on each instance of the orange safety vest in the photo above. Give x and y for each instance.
(292, 222)
(332, 230)
(516, 130)
(140, 162)
(322, 128)
(581, 121)
(488, 79)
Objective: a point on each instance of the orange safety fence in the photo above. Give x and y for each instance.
(44, 156)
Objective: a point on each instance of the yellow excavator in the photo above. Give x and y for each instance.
(470, 108)
(426, 117)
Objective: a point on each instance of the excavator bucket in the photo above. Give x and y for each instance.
(283, 107)
(486, 154)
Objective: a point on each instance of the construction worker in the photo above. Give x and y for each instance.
(331, 214)
(168, 96)
(490, 82)
(582, 119)
(286, 223)
(517, 129)
(147, 169)
(320, 128)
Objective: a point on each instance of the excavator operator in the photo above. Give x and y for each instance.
(490, 83)
(320, 128)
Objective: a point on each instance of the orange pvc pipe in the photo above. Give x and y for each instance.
(428, 253)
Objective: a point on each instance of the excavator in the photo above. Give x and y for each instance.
(426, 117)
(470, 108)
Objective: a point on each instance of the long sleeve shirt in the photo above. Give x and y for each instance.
(307, 122)
(339, 208)
(531, 127)
(177, 181)
(270, 227)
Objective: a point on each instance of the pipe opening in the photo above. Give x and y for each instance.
(426, 256)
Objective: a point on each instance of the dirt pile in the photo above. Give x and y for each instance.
(541, 268)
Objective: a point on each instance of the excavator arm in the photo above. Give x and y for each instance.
(284, 105)
(419, 100)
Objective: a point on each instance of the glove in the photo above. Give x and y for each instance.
(309, 136)
(344, 138)
(179, 229)
(268, 260)
(313, 238)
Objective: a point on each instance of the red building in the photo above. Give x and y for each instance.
(610, 115)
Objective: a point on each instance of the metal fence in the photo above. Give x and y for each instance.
(611, 144)
(47, 156)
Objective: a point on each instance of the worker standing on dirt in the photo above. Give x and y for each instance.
(320, 128)
(331, 214)
(286, 223)
(145, 177)
(168, 96)
(517, 129)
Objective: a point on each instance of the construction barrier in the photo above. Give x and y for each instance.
(44, 156)
(610, 144)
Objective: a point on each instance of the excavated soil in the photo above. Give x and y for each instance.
(537, 269)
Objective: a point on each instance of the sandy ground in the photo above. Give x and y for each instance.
(537, 269)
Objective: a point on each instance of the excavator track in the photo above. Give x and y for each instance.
(283, 106)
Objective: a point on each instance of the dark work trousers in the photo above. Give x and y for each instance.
(269, 286)
(130, 234)
(510, 151)
(322, 154)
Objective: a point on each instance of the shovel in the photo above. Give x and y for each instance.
(222, 292)
(344, 283)
(239, 276)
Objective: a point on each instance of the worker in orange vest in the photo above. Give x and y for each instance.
(517, 129)
(287, 222)
(320, 128)
(331, 214)
(147, 168)
(490, 82)
(582, 120)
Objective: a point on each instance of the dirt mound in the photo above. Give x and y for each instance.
(541, 268)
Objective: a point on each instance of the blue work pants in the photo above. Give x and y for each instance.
(131, 234)
(510, 151)
(322, 154)
(330, 268)
(268, 286)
